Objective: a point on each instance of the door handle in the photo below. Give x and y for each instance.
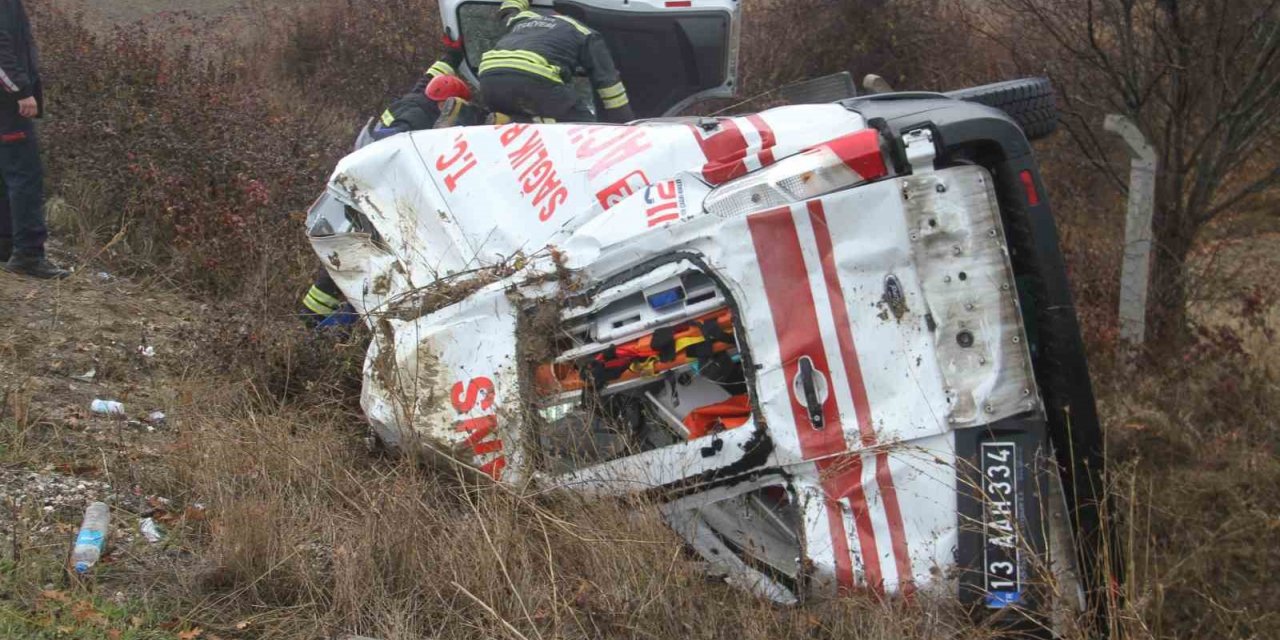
(809, 389)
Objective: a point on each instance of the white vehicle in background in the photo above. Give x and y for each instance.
(835, 341)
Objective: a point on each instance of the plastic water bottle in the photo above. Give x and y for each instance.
(92, 537)
(107, 408)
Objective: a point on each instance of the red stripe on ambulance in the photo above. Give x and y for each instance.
(777, 245)
(841, 479)
(786, 280)
(858, 388)
(725, 151)
(767, 139)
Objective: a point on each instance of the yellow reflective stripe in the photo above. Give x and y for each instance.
(441, 68)
(316, 307)
(323, 298)
(612, 91)
(526, 61)
(519, 5)
(532, 57)
(387, 118)
(577, 25)
(501, 118)
(523, 15)
(615, 103)
(520, 66)
(544, 120)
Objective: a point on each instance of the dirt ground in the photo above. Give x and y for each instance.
(62, 346)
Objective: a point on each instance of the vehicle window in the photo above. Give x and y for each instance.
(478, 22)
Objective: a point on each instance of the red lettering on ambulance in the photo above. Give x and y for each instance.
(558, 197)
(545, 188)
(510, 132)
(666, 202)
(536, 174)
(494, 467)
(611, 144)
(478, 430)
(472, 391)
(481, 438)
(622, 189)
(535, 171)
(445, 162)
(532, 148)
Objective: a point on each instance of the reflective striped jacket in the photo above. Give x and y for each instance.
(553, 48)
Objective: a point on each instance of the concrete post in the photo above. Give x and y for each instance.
(1135, 274)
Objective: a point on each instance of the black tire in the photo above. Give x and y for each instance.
(1028, 101)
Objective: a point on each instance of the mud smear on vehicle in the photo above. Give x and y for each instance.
(382, 284)
(538, 327)
(382, 369)
(539, 320)
(417, 396)
(356, 192)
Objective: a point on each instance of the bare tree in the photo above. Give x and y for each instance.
(1202, 80)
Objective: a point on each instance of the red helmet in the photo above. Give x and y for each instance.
(443, 87)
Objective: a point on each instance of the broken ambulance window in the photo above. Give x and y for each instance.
(646, 364)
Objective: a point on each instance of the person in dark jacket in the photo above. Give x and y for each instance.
(414, 111)
(22, 226)
(530, 70)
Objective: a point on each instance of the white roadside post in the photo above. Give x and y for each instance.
(1136, 270)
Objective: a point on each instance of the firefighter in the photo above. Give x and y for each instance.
(414, 110)
(323, 304)
(530, 70)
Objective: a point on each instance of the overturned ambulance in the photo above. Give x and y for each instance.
(835, 341)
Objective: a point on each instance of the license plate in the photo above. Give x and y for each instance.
(1002, 546)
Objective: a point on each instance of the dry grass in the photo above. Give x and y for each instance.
(309, 534)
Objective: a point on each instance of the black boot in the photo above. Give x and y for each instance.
(36, 267)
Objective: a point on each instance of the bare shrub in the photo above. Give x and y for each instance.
(353, 55)
(200, 168)
(1200, 79)
(911, 43)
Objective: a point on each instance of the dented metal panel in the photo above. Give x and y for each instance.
(968, 284)
(450, 380)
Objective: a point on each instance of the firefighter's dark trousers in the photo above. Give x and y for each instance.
(515, 93)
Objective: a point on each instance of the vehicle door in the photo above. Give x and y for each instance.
(671, 53)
